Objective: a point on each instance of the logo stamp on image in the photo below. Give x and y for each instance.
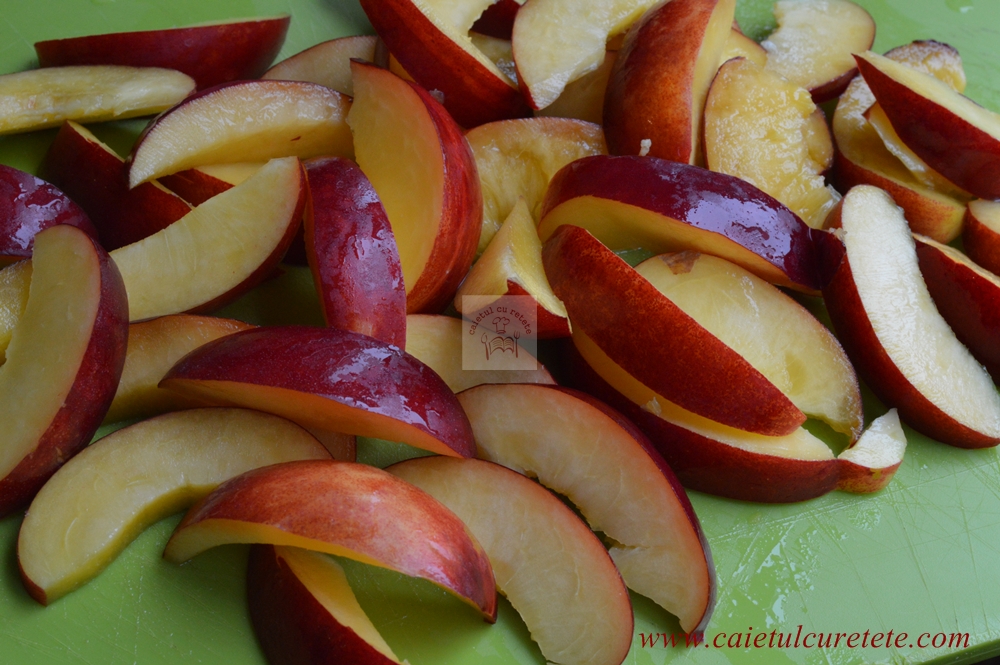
(499, 333)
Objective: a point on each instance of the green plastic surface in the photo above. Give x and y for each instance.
(923, 556)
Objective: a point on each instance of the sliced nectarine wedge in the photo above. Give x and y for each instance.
(870, 464)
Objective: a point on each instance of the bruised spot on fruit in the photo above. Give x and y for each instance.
(680, 263)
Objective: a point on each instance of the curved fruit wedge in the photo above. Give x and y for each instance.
(899, 343)
(862, 158)
(955, 136)
(512, 264)
(655, 341)
(97, 178)
(327, 63)
(739, 45)
(547, 59)
(352, 253)
(705, 455)
(29, 205)
(303, 610)
(967, 296)
(328, 379)
(870, 464)
(436, 341)
(981, 236)
(210, 54)
(663, 206)
(656, 93)
(243, 121)
(763, 129)
(813, 43)
(153, 348)
(347, 509)
(40, 98)
(63, 362)
(590, 454)
(773, 332)
(423, 170)
(201, 183)
(548, 564)
(219, 250)
(517, 158)
(98, 502)
(583, 99)
(430, 38)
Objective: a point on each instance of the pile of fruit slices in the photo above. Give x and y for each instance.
(352, 157)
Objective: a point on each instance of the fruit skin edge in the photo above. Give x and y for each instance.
(925, 448)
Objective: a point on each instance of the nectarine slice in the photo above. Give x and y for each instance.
(590, 454)
(304, 611)
(98, 502)
(331, 380)
(327, 63)
(663, 206)
(870, 464)
(773, 332)
(548, 564)
(655, 341)
(899, 343)
(28, 205)
(423, 171)
(347, 509)
(981, 236)
(813, 43)
(219, 250)
(243, 121)
(63, 362)
(40, 98)
(759, 127)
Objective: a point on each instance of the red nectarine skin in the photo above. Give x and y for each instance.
(874, 365)
(29, 205)
(958, 150)
(549, 325)
(291, 625)
(649, 93)
(88, 399)
(210, 54)
(348, 368)
(352, 253)
(98, 181)
(498, 19)
(193, 186)
(361, 509)
(981, 243)
(706, 465)
(712, 202)
(967, 300)
(627, 317)
(472, 94)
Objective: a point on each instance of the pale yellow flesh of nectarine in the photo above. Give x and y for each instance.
(47, 97)
(759, 127)
(583, 99)
(436, 341)
(327, 63)
(14, 285)
(253, 121)
(800, 444)
(517, 158)
(774, 333)
(881, 446)
(739, 45)
(548, 564)
(153, 348)
(900, 310)
(514, 254)
(326, 581)
(50, 340)
(104, 497)
(558, 41)
(214, 248)
(580, 452)
(815, 39)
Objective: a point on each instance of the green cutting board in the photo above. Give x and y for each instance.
(923, 556)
